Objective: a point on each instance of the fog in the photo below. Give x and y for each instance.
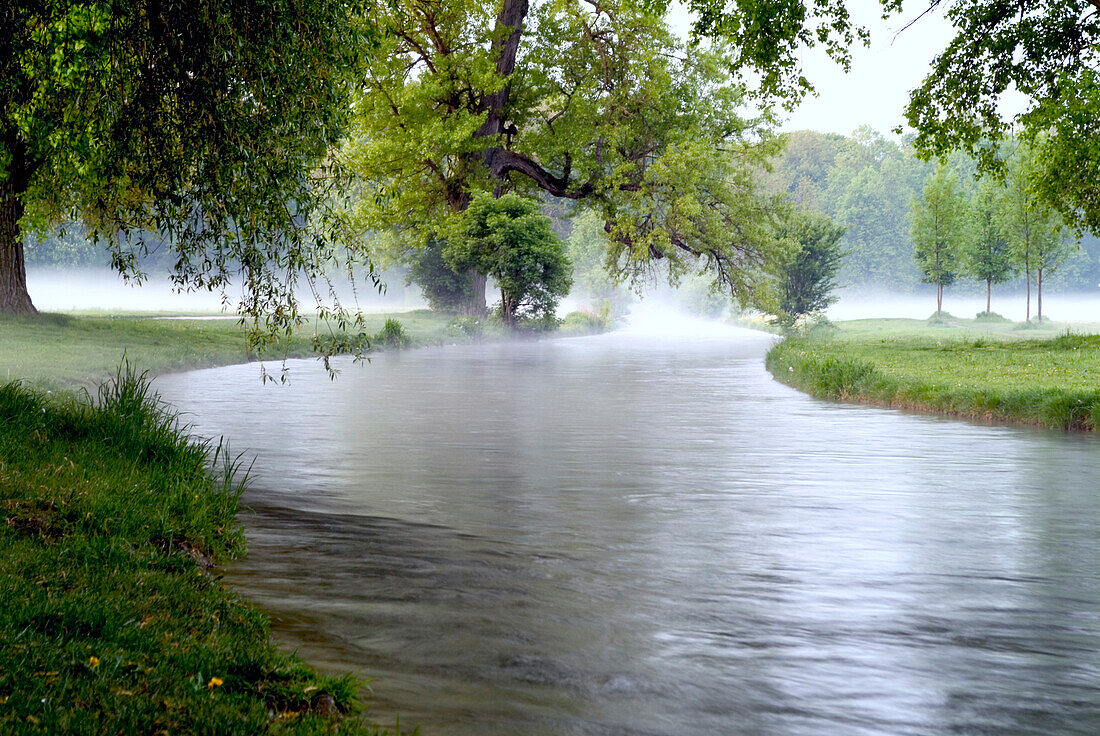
(660, 311)
(1079, 307)
(94, 289)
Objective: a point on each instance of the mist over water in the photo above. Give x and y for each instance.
(642, 533)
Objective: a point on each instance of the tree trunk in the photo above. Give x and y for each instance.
(939, 300)
(477, 307)
(1039, 290)
(1029, 297)
(14, 298)
(988, 296)
(507, 310)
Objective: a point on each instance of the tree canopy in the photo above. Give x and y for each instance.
(600, 104)
(200, 126)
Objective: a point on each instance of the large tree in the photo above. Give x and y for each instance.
(594, 102)
(198, 125)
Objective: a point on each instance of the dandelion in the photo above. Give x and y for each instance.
(215, 682)
(93, 662)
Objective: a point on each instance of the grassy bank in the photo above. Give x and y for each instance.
(999, 374)
(58, 350)
(112, 620)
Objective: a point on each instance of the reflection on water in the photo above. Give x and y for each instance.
(643, 534)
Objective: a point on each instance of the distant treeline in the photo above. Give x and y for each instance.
(68, 246)
(867, 183)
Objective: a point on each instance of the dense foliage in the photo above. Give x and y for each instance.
(509, 239)
(445, 289)
(809, 275)
(204, 122)
(598, 104)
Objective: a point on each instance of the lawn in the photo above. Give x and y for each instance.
(65, 350)
(1048, 376)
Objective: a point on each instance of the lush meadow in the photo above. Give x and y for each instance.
(995, 371)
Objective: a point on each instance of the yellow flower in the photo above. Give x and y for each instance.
(214, 682)
(93, 662)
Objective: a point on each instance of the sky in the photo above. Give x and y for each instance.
(876, 89)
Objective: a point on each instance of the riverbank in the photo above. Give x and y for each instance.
(115, 620)
(113, 523)
(994, 372)
(57, 351)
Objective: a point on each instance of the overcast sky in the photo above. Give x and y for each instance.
(876, 89)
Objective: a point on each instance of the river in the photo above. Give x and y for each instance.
(643, 533)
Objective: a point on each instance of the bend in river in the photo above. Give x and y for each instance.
(642, 533)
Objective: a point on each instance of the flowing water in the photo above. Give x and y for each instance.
(642, 533)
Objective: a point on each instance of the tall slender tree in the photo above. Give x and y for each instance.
(1031, 225)
(938, 228)
(988, 257)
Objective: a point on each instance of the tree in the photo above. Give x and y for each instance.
(1032, 227)
(988, 256)
(1048, 50)
(200, 124)
(938, 221)
(598, 104)
(510, 240)
(810, 273)
(1051, 251)
(444, 288)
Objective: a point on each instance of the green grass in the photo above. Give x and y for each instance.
(111, 621)
(997, 374)
(58, 350)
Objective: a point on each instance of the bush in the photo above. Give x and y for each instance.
(941, 318)
(990, 317)
(582, 323)
(393, 335)
(466, 325)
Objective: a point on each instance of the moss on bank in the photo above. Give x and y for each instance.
(1051, 382)
(113, 619)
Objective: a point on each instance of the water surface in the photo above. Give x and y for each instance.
(642, 533)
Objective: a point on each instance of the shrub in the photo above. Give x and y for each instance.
(465, 325)
(393, 335)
